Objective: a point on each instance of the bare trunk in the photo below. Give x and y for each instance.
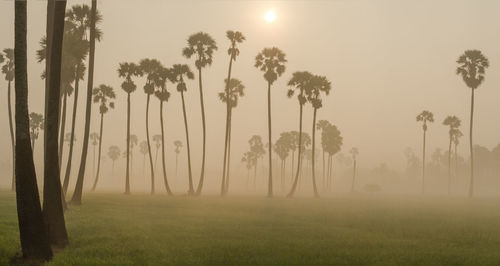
(471, 186)
(191, 188)
(12, 140)
(313, 154)
(127, 171)
(149, 147)
(423, 165)
(229, 151)
(99, 153)
(295, 181)
(270, 182)
(167, 187)
(353, 176)
(449, 166)
(202, 175)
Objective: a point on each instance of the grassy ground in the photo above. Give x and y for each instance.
(113, 229)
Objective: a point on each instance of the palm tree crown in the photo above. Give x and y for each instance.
(127, 71)
(178, 73)
(8, 67)
(472, 65)
(103, 95)
(425, 117)
(271, 62)
(234, 90)
(203, 46)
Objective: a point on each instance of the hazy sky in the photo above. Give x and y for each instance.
(387, 60)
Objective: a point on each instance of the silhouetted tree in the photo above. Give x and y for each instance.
(157, 140)
(425, 117)
(257, 151)
(472, 66)
(321, 125)
(454, 123)
(354, 153)
(144, 150)
(114, 154)
(8, 71)
(333, 141)
(271, 61)
(178, 147)
(457, 134)
(36, 124)
(133, 142)
(282, 148)
(94, 137)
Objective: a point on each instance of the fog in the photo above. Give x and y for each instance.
(387, 61)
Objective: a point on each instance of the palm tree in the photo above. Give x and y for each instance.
(94, 19)
(178, 147)
(354, 153)
(257, 151)
(282, 148)
(250, 161)
(454, 123)
(457, 134)
(425, 117)
(234, 90)
(8, 71)
(114, 154)
(36, 124)
(94, 137)
(271, 61)
(179, 72)
(157, 140)
(34, 241)
(144, 150)
(202, 46)
(127, 71)
(103, 95)
(332, 142)
(472, 66)
(150, 68)
(319, 84)
(234, 37)
(321, 125)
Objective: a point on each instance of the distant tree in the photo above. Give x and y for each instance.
(257, 151)
(333, 141)
(203, 47)
(321, 125)
(114, 154)
(453, 123)
(354, 153)
(94, 138)
(457, 134)
(180, 72)
(36, 124)
(178, 147)
(157, 141)
(133, 142)
(104, 96)
(8, 71)
(282, 148)
(271, 61)
(144, 150)
(471, 66)
(250, 161)
(424, 117)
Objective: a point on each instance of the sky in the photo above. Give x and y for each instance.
(387, 60)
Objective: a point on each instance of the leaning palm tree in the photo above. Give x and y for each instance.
(179, 72)
(424, 117)
(127, 71)
(103, 95)
(36, 124)
(472, 66)
(8, 71)
(319, 84)
(202, 46)
(453, 123)
(114, 154)
(354, 153)
(178, 147)
(271, 61)
(234, 37)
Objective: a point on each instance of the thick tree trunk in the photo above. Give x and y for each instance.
(471, 186)
(72, 138)
(295, 181)
(62, 128)
(190, 176)
(270, 181)
(449, 166)
(167, 187)
(33, 236)
(202, 175)
(149, 147)
(127, 173)
(99, 153)
(77, 196)
(313, 154)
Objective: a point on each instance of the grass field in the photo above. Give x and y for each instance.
(114, 229)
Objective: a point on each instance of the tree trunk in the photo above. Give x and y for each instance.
(72, 138)
(294, 186)
(224, 185)
(325, 182)
(313, 154)
(127, 171)
(176, 163)
(190, 176)
(270, 182)
(149, 147)
(99, 153)
(229, 150)
(456, 161)
(33, 236)
(167, 187)
(353, 176)
(202, 175)
(471, 186)
(63, 128)
(423, 165)
(12, 140)
(449, 166)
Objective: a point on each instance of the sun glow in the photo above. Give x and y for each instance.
(270, 16)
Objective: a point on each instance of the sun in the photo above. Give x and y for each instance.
(270, 16)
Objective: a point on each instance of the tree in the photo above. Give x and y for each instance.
(271, 61)
(354, 153)
(34, 240)
(179, 72)
(114, 154)
(424, 117)
(333, 141)
(257, 151)
(77, 195)
(94, 137)
(178, 147)
(157, 140)
(282, 149)
(8, 71)
(36, 124)
(234, 37)
(103, 95)
(471, 66)
(127, 71)
(144, 150)
(319, 84)
(321, 125)
(457, 134)
(453, 123)
(202, 46)
(250, 161)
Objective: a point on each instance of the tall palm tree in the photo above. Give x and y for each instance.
(271, 61)
(471, 66)
(150, 68)
(202, 46)
(301, 82)
(77, 195)
(321, 125)
(179, 72)
(36, 124)
(319, 84)
(234, 90)
(34, 241)
(354, 153)
(424, 117)
(234, 37)
(453, 123)
(94, 137)
(127, 71)
(8, 71)
(114, 154)
(104, 96)
(178, 147)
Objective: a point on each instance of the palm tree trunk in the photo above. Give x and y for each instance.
(52, 195)
(293, 164)
(456, 161)
(270, 184)
(156, 158)
(449, 167)
(328, 171)
(229, 150)
(471, 186)
(77, 196)
(63, 128)
(223, 184)
(33, 236)
(423, 165)
(176, 163)
(191, 188)
(99, 154)
(202, 175)
(294, 186)
(325, 182)
(167, 187)
(353, 176)
(13, 143)
(149, 147)
(72, 138)
(313, 154)
(127, 171)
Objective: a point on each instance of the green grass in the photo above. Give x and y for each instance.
(113, 229)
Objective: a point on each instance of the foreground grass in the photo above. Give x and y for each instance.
(113, 229)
